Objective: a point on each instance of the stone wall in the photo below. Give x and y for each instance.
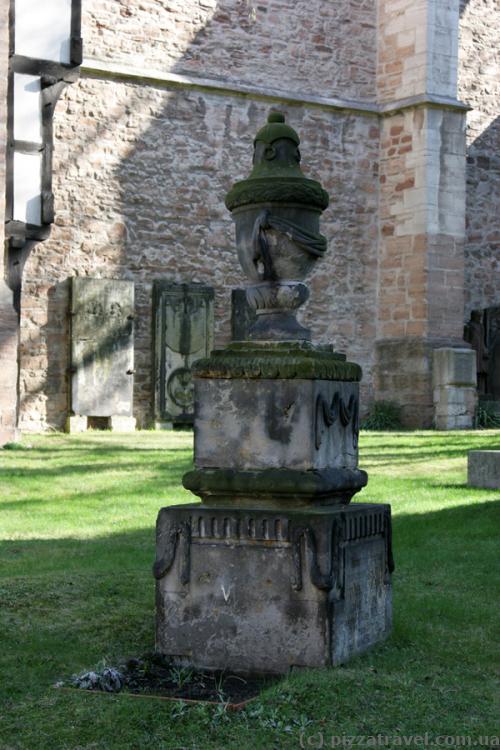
(140, 174)
(422, 201)
(479, 85)
(161, 123)
(299, 45)
(417, 48)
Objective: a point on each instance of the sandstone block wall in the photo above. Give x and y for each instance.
(141, 170)
(161, 123)
(417, 49)
(303, 46)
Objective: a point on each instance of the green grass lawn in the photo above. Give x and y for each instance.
(76, 548)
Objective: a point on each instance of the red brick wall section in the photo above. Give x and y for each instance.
(403, 265)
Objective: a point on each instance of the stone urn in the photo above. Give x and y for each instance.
(276, 211)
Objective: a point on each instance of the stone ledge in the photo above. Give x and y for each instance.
(230, 487)
(109, 69)
(280, 360)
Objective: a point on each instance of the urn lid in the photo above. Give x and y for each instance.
(276, 176)
(276, 128)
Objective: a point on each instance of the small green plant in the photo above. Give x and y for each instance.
(384, 415)
(179, 710)
(16, 447)
(181, 676)
(487, 418)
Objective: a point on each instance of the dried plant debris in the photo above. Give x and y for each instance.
(110, 680)
(154, 674)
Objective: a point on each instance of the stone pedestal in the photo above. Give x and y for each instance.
(274, 568)
(263, 591)
(454, 383)
(76, 423)
(118, 423)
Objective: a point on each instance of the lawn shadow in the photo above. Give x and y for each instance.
(463, 532)
(42, 473)
(70, 605)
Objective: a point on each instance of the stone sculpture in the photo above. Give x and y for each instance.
(275, 568)
(482, 332)
(475, 335)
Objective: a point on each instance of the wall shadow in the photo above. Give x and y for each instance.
(482, 246)
(71, 574)
(180, 151)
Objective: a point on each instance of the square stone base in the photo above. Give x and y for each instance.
(265, 590)
(483, 469)
(117, 423)
(76, 423)
(163, 425)
(454, 407)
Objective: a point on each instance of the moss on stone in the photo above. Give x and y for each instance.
(277, 360)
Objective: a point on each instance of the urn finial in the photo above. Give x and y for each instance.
(276, 211)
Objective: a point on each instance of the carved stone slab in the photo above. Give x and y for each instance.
(265, 590)
(102, 347)
(263, 424)
(183, 333)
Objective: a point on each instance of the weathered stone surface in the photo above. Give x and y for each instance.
(455, 367)
(260, 424)
(304, 42)
(184, 332)
(319, 590)
(9, 335)
(275, 488)
(119, 423)
(454, 408)
(404, 367)
(242, 315)
(105, 210)
(483, 469)
(277, 360)
(115, 423)
(102, 341)
(479, 86)
(75, 424)
(113, 138)
(251, 581)
(417, 48)
(454, 380)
